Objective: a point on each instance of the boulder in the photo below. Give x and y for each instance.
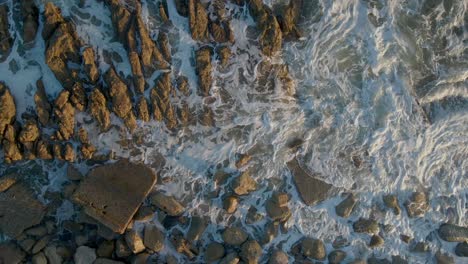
(163, 43)
(278, 257)
(270, 37)
(221, 31)
(251, 252)
(138, 78)
(110, 196)
(8, 180)
(11, 149)
(345, 208)
(453, 233)
(336, 256)
(167, 204)
(376, 241)
(203, 70)
(213, 252)
(7, 108)
(461, 249)
(65, 115)
(29, 133)
(30, 15)
(98, 109)
(161, 102)
(441, 258)
(89, 65)
(153, 238)
(39, 258)
(224, 54)
(234, 236)
(198, 20)
(143, 109)
(105, 249)
(243, 184)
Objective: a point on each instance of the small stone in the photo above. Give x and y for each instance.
(461, 249)
(84, 255)
(121, 248)
(27, 244)
(336, 256)
(234, 236)
(197, 227)
(144, 213)
(213, 252)
(153, 238)
(278, 257)
(366, 226)
(251, 252)
(39, 258)
(134, 241)
(395, 260)
(105, 249)
(391, 201)
(313, 248)
(453, 233)
(376, 241)
(244, 184)
(277, 212)
(167, 204)
(405, 238)
(230, 204)
(417, 205)
(231, 258)
(345, 208)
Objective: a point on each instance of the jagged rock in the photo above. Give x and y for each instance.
(311, 189)
(417, 205)
(121, 248)
(183, 85)
(231, 258)
(163, 12)
(376, 241)
(143, 110)
(182, 246)
(98, 109)
(43, 150)
(111, 197)
(197, 227)
(391, 201)
(11, 150)
(43, 107)
(270, 38)
(19, 209)
(273, 77)
(84, 255)
(336, 256)
(7, 40)
(289, 19)
(234, 236)
(53, 18)
(276, 207)
(57, 150)
(230, 204)
(65, 114)
(251, 252)
(461, 249)
(89, 65)
(134, 241)
(366, 226)
(224, 54)
(120, 17)
(198, 20)
(253, 216)
(69, 153)
(203, 69)
(213, 252)
(144, 213)
(441, 258)
(121, 102)
(182, 7)
(10, 253)
(163, 43)
(345, 208)
(138, 78)
(7, 108)
(278, 257)
(313, 248)
(453, 233)
(243, 184)
(30, 14)
(153, 238)
(167, 203)
(160, 100)
(206, 117)
(270, 232)
(29, 133)
(221, 31)
(78, 97)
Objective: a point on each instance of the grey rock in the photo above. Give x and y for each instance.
(213, 252)
(10, 253)
(345, 208)
(107, 261)
(40, 244)
(453, 233)
(84, 255)
(391, 201)
(376, 241)
(134, 241)
(313, 248)
(141, 258)
(121, 248)
(278, 257)
(336, 256)
(52, 255)
(231, 258)
(39, 258)
(441, 258)
(461, 249)
(105, 249)
(417, 205)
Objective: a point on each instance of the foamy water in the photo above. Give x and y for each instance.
(392, 94)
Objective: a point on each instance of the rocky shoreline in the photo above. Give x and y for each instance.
(122, 215)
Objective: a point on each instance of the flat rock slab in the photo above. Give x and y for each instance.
(113, 193)
(19, 210)
(311, 189)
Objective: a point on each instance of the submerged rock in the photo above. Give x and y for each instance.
(153, 238)
(234, 236)
(391, 201)
(336, 256)
(7, 40)
(366, 226)
(276, 207)
(376, 241)
(453, 233)
(167, 203)
(231, 258)
(98, 109)
(230, 204)
(271, 37)
(461, 249)
(313, 248)
(197, 227)
(278, 257)
(111, 197)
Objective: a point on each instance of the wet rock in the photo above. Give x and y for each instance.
(182, 246)
(10, 253)
(417, 205)
(65, 114)
(453, 233)
(38, 231)
(221, 31)
(134, 241)
(270, 232)
(40, 244)
(160, 100)
(253, 216)
(69, 153)
(163, 12)
(311, 189)
(336, 256)
(366, 226)
(234, 236)
(206, 117)
(7, 108)
(242, 160)
(278, 257)
(73, 174)
(107, 261)
(270, 38)
(182, 7)
(153, 238)
(395, 260)
(231, 258)
(274, 77)
(143, 110)
(376, 241)
(198, 20)
(7, 40)
(121, 248)
(213, 252)
(345, 208)
(43, 107)
(391, 201)
(243, 184)
(289, 19)
(203, 69)
(224, 54)
(121, 102)
(98, 109)
(138, 78)
(53, 18)
(313, 248)
(52, 255)
(167, 204)
(10, 147)
(230, 204)
(6, 181)
(461, 249)
(197, 227)
(78, 97)
(163, 42)
(89, 65)
(84, 255)
(276, 207)
(19, 209)
(441, 258)
(141, 258)
(144, 213)
(43, 150)
(111, 197)
(105, 249)
(251, 252)
(39, 258)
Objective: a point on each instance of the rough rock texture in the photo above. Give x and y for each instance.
(6, 181)
(230, 204)
(376, 241)
(313, 248)
(271, 37)
(363, 225)
(10, 146)
(98, 109)
(391, 201)
(89, 65)
(138, 78)
(65, 115)
(198, 20)
(5, 37)
(224, 54)
(441, 258)
(163, 43)
(182, 7)
(311, 189)
(345, 208)
(134, 241)
(213, 252)
(143, 109)
(7, 108)
(167, 203)
(43, 107)
(243, 184)
(112, 193)
(203, 69)
(19, 209)
(417, 205)
(278, 257)
(251, 252)
(182, 246)
(274, 77)
(453, 233)
(153, 238)
(10, 253)
(221, 31)
(160, 100)
(289, 18)
(30, 15)
(234, 236)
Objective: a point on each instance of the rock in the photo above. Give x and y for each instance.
(65, 114)
(161, 102)
(251, 252)
(366, 226)
(417, 205)
(19, 209)
(271, 37)
(206, 117)
(311, 189)
(395, 260)
(84, 255)
(43, 150)
(134, 241)
(107, 261)
(6, 181)
(461, 249)
(278, 257)
(121, 102)
(453, 233)
(234, 236)
(221, 31)
(78, 97)
(420, 247)
(7, 40)
(182, 246)
(7, 105)
(224, 54)
(276, 207)
(376, 241)
(73, 174)
(270, 232)
(163, 12)
(141, 258)
(230, 204)
(111, 197)
(313, 248)
(336, 256)
(57, 151)
(10, 253)
(182, 7)
(167, 204)
(53, 18)
(43, 107)
(138, 78)
(121, 248)
(289, 19)
(39, 258)
(10, 146)
(391, 201)
(198, 20)
(243, 184)
(203, 69)
(89, 65)
(153, 238)
(40, 244)
(253, 216)
(144, 213)
(345, 208)
(69, 153)
(213, 252)
(441, 258)
(38, 231)
(52, 255)
(27, 244)
(231, 258)
(143, 110)
(105, 249)
(163, 42)
(98, 109)
(197, 227)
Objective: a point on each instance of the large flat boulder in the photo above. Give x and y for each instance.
(113, 193)
(19, 210)
(311, 189)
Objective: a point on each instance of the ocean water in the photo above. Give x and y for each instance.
(381, 104)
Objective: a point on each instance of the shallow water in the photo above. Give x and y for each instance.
(381, 104)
